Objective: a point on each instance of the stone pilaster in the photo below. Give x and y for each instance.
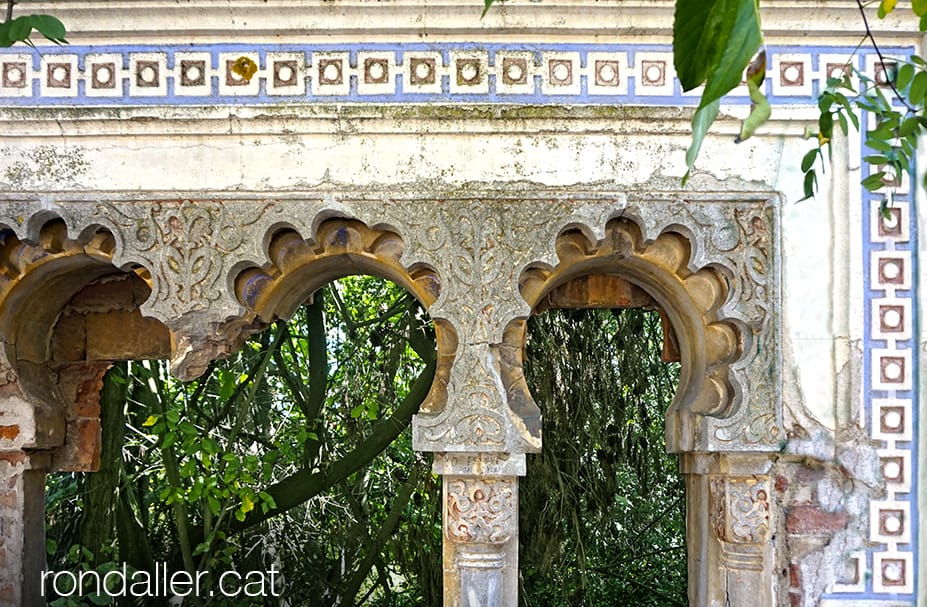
(480, 525)
(22, 528)
(728, 530)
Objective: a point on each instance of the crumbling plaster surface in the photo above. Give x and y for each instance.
(456, 150)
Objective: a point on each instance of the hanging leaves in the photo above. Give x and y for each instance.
(20, 30)
(713, 42)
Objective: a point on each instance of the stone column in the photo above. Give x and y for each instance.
(480, 523)
(728, 530)
(22, 527)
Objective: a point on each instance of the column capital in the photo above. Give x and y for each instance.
(479, 464)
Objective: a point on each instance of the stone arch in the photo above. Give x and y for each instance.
(65, 314)
(690, 299)
(339, 247)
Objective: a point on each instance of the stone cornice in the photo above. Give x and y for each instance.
(151, 21)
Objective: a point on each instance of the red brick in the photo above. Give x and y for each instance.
(9, 432)
(795, 599)
(812, 520)
(7, 594)
(81, 449)
(80, 386)
(794, 576)
(782, 483)
(13, 457)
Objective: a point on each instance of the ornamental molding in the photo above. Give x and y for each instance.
(223, 264)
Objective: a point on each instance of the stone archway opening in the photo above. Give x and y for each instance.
(289, 415)
(602, 506)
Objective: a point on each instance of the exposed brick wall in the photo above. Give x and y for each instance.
(817, 525)
(101, 324)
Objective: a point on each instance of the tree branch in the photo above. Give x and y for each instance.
(888, 77)
(305, 484)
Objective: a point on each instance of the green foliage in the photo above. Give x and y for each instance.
(601, 518)
(895, 105)
(713, 42)
(276, 457)
(274, 430)
(21, 28)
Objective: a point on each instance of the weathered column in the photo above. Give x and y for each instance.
(480, 523)
(728, 530)
(22, 527)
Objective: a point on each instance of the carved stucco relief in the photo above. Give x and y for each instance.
(739, 511)
(479, 248)
(480, 511)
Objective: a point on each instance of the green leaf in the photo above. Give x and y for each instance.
(486, 5)
(713, 42)
(826, 125)
(875, 159)
(880, 146)
(152, 420)
(100, 599)
(20, 29)
(918, 89)
(907, 127)
(759, 112)
(904, 76)
(919, 7)
(808, 159)
(50, 27)
(886, 7)
(810, 185)
(874, 181)
(169, 439)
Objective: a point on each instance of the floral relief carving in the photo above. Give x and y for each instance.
(740, 508)
(480, 510)
(479, 247)
(474, 417)
(184, 245)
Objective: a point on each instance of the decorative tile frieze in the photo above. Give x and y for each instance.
(890, 270)
(147, 75)
(792, 74)
(401, 72)
(16, 75)
(893, 572)
(58, 75)
(892, 419)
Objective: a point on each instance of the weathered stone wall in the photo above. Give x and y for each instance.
(539, 118)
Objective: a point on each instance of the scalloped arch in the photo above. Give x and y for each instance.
(708, 343)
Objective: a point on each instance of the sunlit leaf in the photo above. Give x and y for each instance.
(886, 7)
(713, 42)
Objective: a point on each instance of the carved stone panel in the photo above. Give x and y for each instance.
(480, 511)
(478, 247)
